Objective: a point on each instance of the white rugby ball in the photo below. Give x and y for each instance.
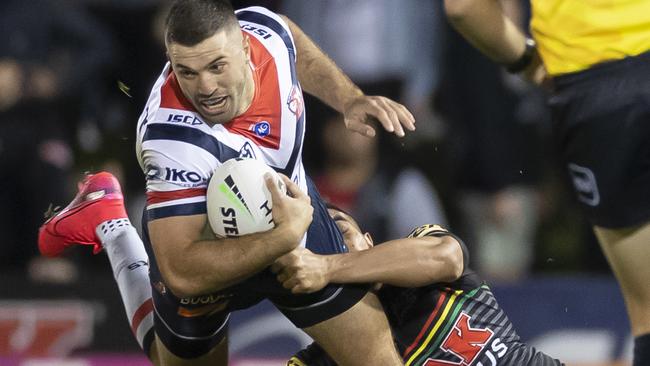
(238, 200)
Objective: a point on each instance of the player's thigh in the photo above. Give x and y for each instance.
(628, 253)
(191, 329)
(359, 336)
(161, 356)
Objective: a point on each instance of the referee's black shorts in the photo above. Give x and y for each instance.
(602, 127)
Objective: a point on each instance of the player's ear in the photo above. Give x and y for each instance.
(369, 240)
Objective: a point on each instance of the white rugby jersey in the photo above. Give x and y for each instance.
(178, 151)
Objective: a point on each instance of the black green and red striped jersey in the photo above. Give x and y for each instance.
(445, 324)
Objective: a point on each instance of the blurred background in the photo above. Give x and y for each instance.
(74, 76)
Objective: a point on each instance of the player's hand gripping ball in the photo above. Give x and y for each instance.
(238, 200)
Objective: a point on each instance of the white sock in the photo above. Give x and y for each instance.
(130, 265)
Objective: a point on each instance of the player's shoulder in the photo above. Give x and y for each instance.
(265, 25)
(260, 15)
(171, 137)
(440, 231)
(428, 230)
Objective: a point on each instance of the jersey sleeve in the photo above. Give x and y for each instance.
(439, 231)
(176, 185)
(269, 22)
(312, 355)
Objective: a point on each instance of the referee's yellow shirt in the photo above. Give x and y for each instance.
(573, 35)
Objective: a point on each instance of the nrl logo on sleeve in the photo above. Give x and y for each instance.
(262, 129)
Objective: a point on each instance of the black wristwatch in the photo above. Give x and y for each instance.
(525, 59)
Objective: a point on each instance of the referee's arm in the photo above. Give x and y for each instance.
(485, 25)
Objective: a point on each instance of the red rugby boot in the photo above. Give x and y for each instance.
(99, 199)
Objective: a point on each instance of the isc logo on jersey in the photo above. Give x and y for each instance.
(259, 31)
(238, 201)
(188, 119)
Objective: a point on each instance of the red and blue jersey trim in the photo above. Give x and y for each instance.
(187, 209)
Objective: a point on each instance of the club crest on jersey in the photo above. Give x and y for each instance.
(295, 102)
(262, 129)
(247, 151)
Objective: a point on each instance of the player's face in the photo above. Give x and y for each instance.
(215, 75)
(354, 238)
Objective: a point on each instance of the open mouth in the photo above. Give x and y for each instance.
(214, 105)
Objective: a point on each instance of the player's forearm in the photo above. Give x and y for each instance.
(407, 262)
(319, 75)
(198, 267)
(484, 24)
(207, 270)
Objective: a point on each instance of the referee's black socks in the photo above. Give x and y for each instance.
(642, 350)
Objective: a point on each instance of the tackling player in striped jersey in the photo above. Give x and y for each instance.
(440, 311)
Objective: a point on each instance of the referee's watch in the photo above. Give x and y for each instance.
(525, 59)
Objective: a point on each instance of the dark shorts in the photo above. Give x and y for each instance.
(602, 126)
(191, 327)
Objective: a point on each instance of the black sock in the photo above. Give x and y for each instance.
(642, 350)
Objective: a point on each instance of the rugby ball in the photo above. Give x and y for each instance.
(238, 200)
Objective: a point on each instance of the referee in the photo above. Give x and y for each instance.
(597, 56)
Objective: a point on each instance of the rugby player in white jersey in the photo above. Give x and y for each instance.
(233, 87)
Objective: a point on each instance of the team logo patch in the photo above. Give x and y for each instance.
(295, 102)
(584, 182)
(262, 129)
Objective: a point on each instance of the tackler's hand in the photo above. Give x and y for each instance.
(302, 271)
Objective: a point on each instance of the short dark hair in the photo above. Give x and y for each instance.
(330, 206)
(189, 22)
